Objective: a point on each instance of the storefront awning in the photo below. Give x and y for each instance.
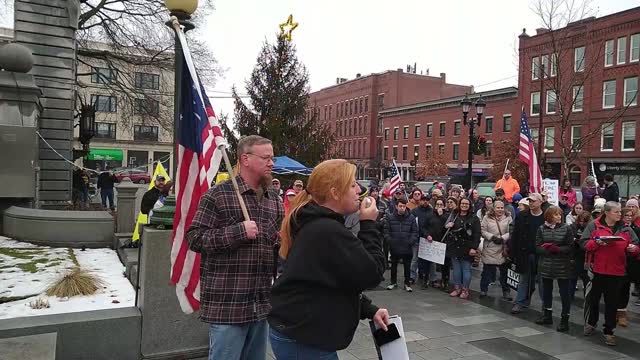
(104, 154)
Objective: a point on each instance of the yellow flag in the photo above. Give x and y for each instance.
(142, 218)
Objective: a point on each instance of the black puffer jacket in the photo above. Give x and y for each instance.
(423, 214)
(555, 265)
(401, 232)
(578, 252)
(463, 236)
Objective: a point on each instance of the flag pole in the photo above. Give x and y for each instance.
(506, 166)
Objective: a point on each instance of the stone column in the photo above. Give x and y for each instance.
(126, 200)
(167, 332)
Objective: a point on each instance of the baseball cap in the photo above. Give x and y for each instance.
(298, 182)
(425, 197)
(524, 202)
(160, 177)
(275, 181)
(398, 191)
(535, 197)
(290, 192)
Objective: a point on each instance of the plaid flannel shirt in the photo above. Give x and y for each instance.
(235, 272)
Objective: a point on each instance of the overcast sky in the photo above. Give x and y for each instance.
(474, 42)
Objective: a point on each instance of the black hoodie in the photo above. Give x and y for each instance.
(317, 301)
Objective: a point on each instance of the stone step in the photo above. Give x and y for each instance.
(133, 275)
(130, 258)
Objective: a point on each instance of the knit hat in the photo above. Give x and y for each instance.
(598, 205)
(632, 202)
(517, 197)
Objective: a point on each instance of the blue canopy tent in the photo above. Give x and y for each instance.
(285, 165)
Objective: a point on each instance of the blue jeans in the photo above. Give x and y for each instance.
(238, 342)
(107, 194)
(414, 263)
(285, 348)
(461, 272)
(523, 298)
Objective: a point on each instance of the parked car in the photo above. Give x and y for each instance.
(486, 189)
(137, 176)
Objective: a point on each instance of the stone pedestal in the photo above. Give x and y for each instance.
(167, 332)
(126, 194)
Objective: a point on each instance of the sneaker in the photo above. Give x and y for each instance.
(516, 309)
(456, 292)
(610, 340)
(483, 294)
(408, 288)
(392, 286)
(589, 330)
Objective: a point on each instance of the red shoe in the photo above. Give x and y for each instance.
(464, 294)
(456, 291)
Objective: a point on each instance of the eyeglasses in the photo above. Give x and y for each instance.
(263, 157)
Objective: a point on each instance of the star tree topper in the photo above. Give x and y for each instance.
(287, 28)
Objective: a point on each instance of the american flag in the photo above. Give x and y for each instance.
(199, 143)
(527, 154)
(395, 178)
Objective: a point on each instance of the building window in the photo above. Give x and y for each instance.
(634, 48)
(147, 81)
(443, 128)
(456, 151)
(143, 132)
(103, 75)
(606, 141)
(416, 132)
(488, 125)
(104, 103)
(339, 106)
(609, 94)
(535, 68)
(578, 98)
(385, 155)
(506, 123)
(405, 132)
(148, 107)
(622, 50)
(549, 138)
(396, 131)
(364, 124)
(576, 134)
(631, 91)
(351, 108)
(545, 66)
(380, 102)
(416, 152)
(360, 126)
(386, 134)
(608, 53)
(456, 128)
(554, 64)
(360, 107)
(105, 130)
(488, 150)
(578, 59)
(535, 103)
(535, 135)
(395, 152)
(551, 102)
(574, 176)
(429, 130)
(330, 111)
(441, 149)
(405, 150)
(629, 136)
(366, 103)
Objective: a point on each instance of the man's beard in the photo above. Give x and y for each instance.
(265, 181)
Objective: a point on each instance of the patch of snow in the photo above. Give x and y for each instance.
(117, 291)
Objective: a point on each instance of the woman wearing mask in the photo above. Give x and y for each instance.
(462, 246)
(487, 204)
(327, 268)
(495, 231)
(554, 246)
(589, 191)
(576, 210)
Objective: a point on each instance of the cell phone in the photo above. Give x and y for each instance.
(384, 337)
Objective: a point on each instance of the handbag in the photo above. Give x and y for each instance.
(505, 252)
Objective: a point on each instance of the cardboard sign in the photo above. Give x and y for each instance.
(552, 187)
(432, 251)
(513, 278)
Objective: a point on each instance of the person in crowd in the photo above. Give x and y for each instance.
(420, 268)
(545, 201)
(487, 205)
(452, 205)
(237, 257)
(436, 194)
(634, 265)
(164, 193)
(577, 227)
(563, 204)
(106, 182)
(589, 190)
(523, 205)
(514, 203)
(386, 198)
(495, 231)
(628, 215)
(554, 246)
(598, 207)
(476, 201)
(84, 194)
(414, 200)
(275, 184)
(522, 250)
(456, 193)
(398, 194)
(289, 195)
(568, 191)
(500, 195)
(606, 263)
(382, 206)
(436, 231)
(462, 246)
(401, 232)
(152, 195)
(610, 192)
(577, 209)
(509, 185)
(327, 268)
(298, 186)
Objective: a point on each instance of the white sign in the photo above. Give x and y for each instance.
(513, 278)
(552, 187)
(432, 251)
(397, 349)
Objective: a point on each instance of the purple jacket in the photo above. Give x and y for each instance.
(587, 197)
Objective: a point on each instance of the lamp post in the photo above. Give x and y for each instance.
(182, 10)
(480, 105)
(415, 165)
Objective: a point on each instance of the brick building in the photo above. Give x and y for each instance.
(584, 79)
(351, 108)
(437, 126)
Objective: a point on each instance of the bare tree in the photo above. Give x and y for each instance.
(563, 74)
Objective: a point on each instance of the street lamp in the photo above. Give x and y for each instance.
(182, 10)
(415, 165)
(480, 105)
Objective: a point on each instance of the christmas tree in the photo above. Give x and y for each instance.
(279, 108)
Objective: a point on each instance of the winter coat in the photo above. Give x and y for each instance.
(149, 200)
(610, 259)
(570, 219)
(106, 181)
(463, 236)
(435, 226)
(493, 250)
(588, 193)
(401, 233)
(566, 210)
(555, 265)
(423, 214)
(521, 246)
(571, 195)
(611, 192)
(578, 251)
